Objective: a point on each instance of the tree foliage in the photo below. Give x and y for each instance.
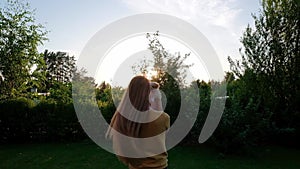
(60, 66)
(270, 67)
(19, 37)
(58, 69)
(167, 65)
(171, 73)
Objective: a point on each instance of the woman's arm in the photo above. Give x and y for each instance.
(155, 102)
(158, 104)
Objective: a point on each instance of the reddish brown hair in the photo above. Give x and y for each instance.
(138, 91)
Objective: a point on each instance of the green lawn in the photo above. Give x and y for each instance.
(86, 155)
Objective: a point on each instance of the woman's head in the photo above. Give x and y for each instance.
(133, 107)
(139, 90)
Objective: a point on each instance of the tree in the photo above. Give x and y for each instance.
(171, 72)
(19, 37)
(55, 73)
(59, 66)
(167, 65)
(270, 61)
(39, 75)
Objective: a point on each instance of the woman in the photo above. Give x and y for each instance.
(137, 132)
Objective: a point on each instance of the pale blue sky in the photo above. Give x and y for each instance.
(73, 22)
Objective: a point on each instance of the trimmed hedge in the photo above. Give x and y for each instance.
(23, 120)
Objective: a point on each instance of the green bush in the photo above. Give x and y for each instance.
(245, 123)
(14, 118)
(204, 94)
(21, 120)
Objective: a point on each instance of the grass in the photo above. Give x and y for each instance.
(86, 155)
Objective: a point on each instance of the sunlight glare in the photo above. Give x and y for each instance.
(151, 74)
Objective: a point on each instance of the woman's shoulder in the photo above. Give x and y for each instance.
(162, 120)
(160, 115)
(165, 115)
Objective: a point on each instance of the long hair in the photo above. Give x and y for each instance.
(133, 106)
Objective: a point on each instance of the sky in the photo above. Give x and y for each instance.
(72, 23)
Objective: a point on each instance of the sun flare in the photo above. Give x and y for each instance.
(151, 74)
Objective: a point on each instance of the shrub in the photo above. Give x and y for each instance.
(22, 121)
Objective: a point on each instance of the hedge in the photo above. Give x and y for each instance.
(23, 120)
